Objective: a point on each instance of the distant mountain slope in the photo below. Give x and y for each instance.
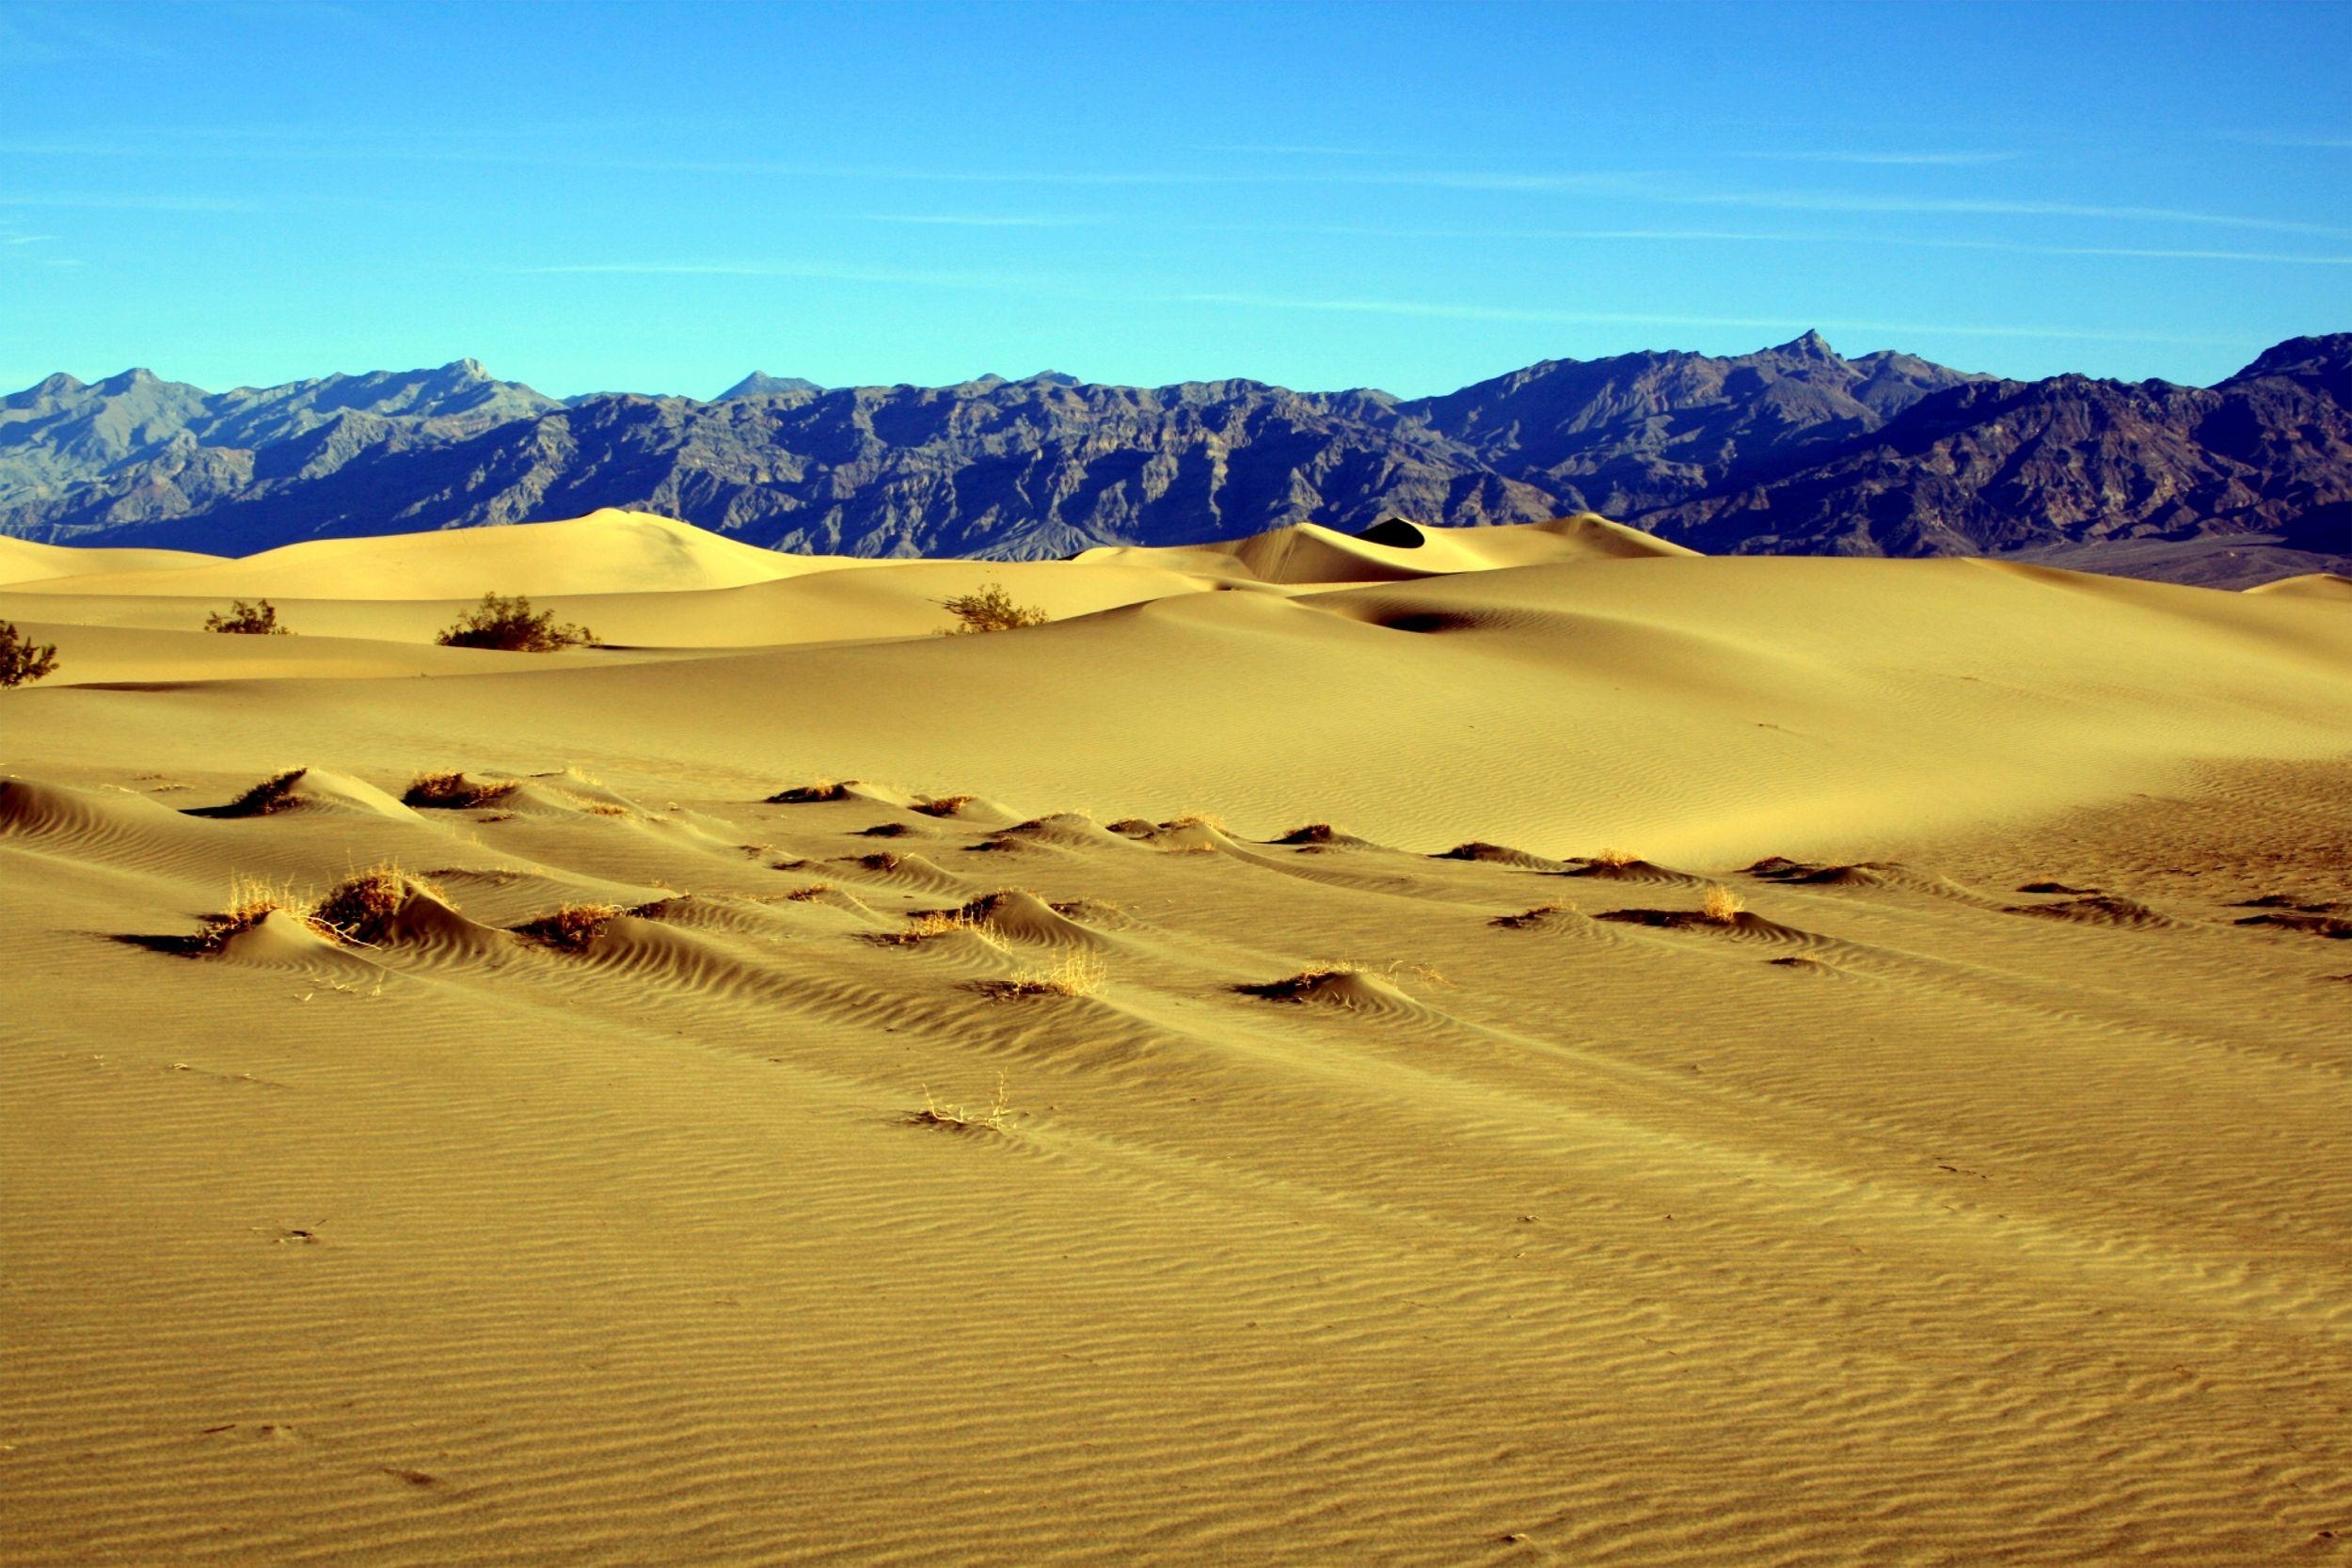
(1793, 448)
(2002, 465)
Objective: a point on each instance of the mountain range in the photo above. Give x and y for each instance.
(1791, 450)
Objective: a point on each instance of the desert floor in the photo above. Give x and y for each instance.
(1416, 1174)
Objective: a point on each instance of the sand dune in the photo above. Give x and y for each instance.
(2313, 585)
(607, 551)
(1306, 554)
(23, 561)
(1565, 1054)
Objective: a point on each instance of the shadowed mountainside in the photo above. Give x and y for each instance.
(1790, 450)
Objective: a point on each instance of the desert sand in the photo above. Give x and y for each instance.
(1513, 1045)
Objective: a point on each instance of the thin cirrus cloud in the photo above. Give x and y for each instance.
(1947, 160)
(130, 203)
(1422, 309)
(981, 220)
(1450, 311)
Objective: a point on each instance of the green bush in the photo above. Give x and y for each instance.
(988, 608)
(23, 660)
(509, 624)
(258, 619)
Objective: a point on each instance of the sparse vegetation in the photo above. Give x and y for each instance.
(272, 794)
(23, 660)
(362, 908)
(258, 619)
(251, 899)
(1615, 859)
(1076, 972)
(1538, 915)
(512, 626)
(929, 924)
(809, 894)
(820, 793)
(1321, 980)
(988, 608)
(455, 791)
(945, 805)
(1721, 906)
(957, 1119)
(571, 929)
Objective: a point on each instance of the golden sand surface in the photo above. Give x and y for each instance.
(1515, 1045)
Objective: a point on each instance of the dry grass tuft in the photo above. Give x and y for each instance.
(957, 1119)
(1721, 906)
(931, 924)
(604, 808)
(272, 794)
(945, 805)
(1618, 859)
(251, 899)
(572, 928)
(814, 890)
(362, 908)
(455, 791)
(1538, 915)
(1305, 983)
(1073, 973)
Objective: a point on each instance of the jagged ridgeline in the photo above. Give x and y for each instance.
(1791, 450)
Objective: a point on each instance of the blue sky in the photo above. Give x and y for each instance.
(660, 197)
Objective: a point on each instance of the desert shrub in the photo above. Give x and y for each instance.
(258, 619)
(272, 794)
(455, 791)
(1721, 905)
(823, 790)
(251, 899)
(988, 608)
(361, 906)
(23, 660)
(512, 626)
(957, 1119)
(945, 805)
(1074, 974)
(571, 927)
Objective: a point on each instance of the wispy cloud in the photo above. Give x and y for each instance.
(1845, 201)
(1452, 312)
(981, 220)
(132, 203)
(814, 271)
(2321, 143)
(1949, 160)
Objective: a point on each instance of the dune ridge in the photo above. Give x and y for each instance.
(1580, 1056)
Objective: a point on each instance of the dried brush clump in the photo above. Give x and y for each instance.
(1073, 973)
(1720, 906)
(806, 894)
(456, 791)
(820, 793)
(272, 794)
(932, 923)
(251, 900)
(955, 1118)
(362, 908)
(945, 805)
(1539, 914)
(571, 929)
